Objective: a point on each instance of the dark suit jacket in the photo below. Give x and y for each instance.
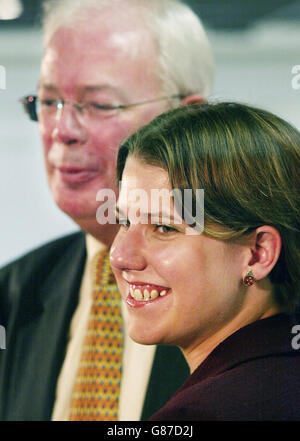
(38, 296)
(253, 375)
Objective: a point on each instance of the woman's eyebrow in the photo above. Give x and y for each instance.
(157, 216)
(162, 215)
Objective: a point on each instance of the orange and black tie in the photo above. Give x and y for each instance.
(97, 385)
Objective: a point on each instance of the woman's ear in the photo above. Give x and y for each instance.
(265, 249)
(192, 99)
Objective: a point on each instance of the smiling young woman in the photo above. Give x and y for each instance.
(227, 296)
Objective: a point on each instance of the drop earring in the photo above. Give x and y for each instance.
(249, 278)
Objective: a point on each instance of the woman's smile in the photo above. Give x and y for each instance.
(143, 293)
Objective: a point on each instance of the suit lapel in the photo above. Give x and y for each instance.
(39, 332)
(169, 372)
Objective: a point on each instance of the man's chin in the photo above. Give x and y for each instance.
(78, 211)
(79, 201)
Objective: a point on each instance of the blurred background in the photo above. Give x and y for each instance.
(256, 45)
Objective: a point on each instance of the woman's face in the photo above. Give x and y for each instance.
(179, 288)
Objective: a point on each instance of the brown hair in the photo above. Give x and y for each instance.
(247, 160)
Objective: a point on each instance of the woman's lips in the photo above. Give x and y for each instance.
(77, 175)
(144, 293)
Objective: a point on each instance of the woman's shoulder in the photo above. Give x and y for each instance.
(261, 389)
(253, 375)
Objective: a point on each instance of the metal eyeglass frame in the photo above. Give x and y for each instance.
(30, 101)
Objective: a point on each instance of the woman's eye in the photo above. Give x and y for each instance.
(165, 229)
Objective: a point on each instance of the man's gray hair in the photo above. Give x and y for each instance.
(185, 54)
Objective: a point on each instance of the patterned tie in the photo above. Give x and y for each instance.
(97, 385)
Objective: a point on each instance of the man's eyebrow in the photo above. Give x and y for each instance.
(95, 88)
(90, 88)
(46, 86)
(101, 87)
(83, 89)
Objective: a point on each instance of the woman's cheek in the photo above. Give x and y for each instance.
(169, 261)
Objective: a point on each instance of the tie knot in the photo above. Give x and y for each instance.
(102, 274)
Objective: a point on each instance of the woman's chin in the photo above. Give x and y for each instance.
(143, 337)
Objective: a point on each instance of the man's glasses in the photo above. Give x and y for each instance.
(50, 108)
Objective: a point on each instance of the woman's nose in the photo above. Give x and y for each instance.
(128, 251)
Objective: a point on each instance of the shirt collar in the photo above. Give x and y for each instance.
(93, 246)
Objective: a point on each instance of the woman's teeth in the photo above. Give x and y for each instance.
(144, 294)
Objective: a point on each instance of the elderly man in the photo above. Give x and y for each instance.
(108, 68)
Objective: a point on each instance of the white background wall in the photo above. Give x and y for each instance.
(252, 67)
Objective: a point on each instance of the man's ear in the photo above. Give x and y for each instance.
(192, 99)
(265, 249)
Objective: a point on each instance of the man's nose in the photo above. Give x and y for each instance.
(128, 251)
(69, 128)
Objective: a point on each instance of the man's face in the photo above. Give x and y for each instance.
(107, 64)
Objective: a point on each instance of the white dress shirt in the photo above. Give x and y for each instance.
(137, 359)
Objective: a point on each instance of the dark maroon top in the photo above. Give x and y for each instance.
(252, 375)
